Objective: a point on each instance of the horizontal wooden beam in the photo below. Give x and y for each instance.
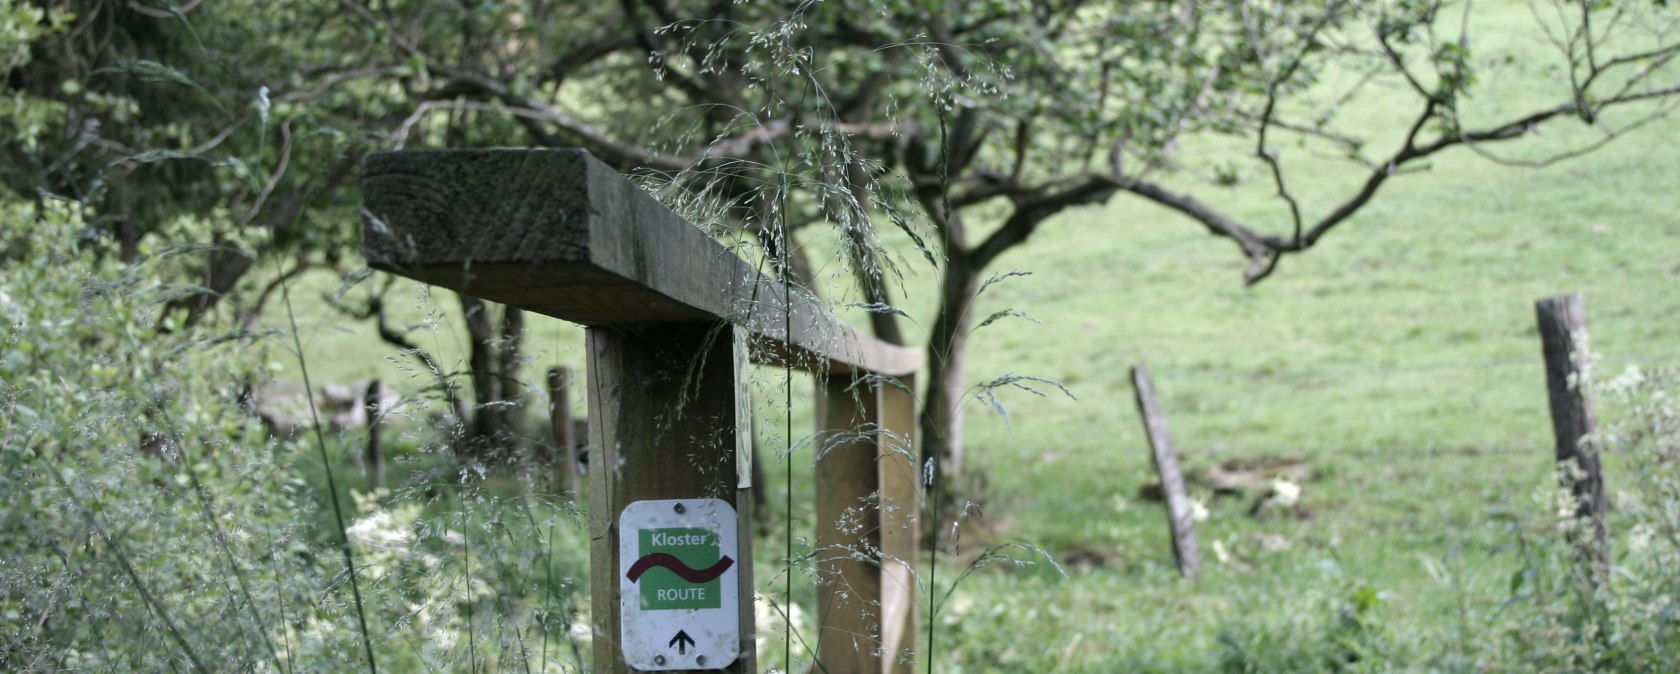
(559, 233)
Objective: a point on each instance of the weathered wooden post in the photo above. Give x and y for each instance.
(673, 318)
(1563, 341)
(374, 454)
(560, 420)
(899, 476)
(1179, 516)
(653, 451)
(868, 518)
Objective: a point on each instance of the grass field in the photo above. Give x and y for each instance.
(1399, 360)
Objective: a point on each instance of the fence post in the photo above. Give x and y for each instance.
(1185, 550)
(562, 234)
(560, 420)
(900, 472)
(373, 455)
(1563, 341)
(664, 414)
(868, 510)
(848, 527)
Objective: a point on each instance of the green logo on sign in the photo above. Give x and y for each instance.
(679, 569)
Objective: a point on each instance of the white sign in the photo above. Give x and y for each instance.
(679, 599)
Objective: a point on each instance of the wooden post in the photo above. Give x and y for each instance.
(560, 420)
(900, 471)
(1563, 341)
(848, 527)
(1185, 550)
(868, 510)
(664, 415)
(373, 457)
(559, 233)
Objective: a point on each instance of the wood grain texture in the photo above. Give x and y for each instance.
(868, 534)
(1185, 549)
(1563, 335)
(662, 425)
(848, 528)
(900, 471)
(559, 233)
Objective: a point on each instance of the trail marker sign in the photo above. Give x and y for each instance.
(678, 584)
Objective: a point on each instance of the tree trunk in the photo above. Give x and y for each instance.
(495, 368)
(508, 362)
(947, 380)
(560, 420)
(871, 274)
(373, 456)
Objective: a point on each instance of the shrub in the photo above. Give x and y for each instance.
(151, 525)
(1564, 613)
(148, 523)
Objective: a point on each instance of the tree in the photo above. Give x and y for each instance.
(233, 133)
(987, 118)
(968, 124)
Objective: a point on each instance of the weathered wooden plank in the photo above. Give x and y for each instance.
(664, 414)
(1563, 332)
(868, 534)
(559, 233)
(900, 470)
(848, 528)
(1185, 550)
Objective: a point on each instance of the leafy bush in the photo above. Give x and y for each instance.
(148, 524)
(151, 525)
(1566, 614)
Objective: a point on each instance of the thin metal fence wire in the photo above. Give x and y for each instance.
(1298, 374)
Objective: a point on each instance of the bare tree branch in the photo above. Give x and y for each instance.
(1029, 213)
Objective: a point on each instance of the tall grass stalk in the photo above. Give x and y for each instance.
(548, 579)
(466, 581)
(327, 467)
(153, 606)
(932, 478)
(207, 510)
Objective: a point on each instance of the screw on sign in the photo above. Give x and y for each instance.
(678, 584)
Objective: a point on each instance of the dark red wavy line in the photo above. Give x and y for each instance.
(676, 566)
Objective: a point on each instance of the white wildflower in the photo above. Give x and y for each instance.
(1198, 510)
(1285, 493)
(378, 531)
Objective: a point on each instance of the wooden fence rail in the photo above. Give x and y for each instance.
(673, 320)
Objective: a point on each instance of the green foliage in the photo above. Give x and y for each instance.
(119, 529)
(1565, 614)
(150, 525)
(24, 119)
(1333, 625)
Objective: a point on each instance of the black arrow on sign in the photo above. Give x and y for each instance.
(682, 641)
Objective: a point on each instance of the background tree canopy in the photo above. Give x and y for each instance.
(965, 125)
